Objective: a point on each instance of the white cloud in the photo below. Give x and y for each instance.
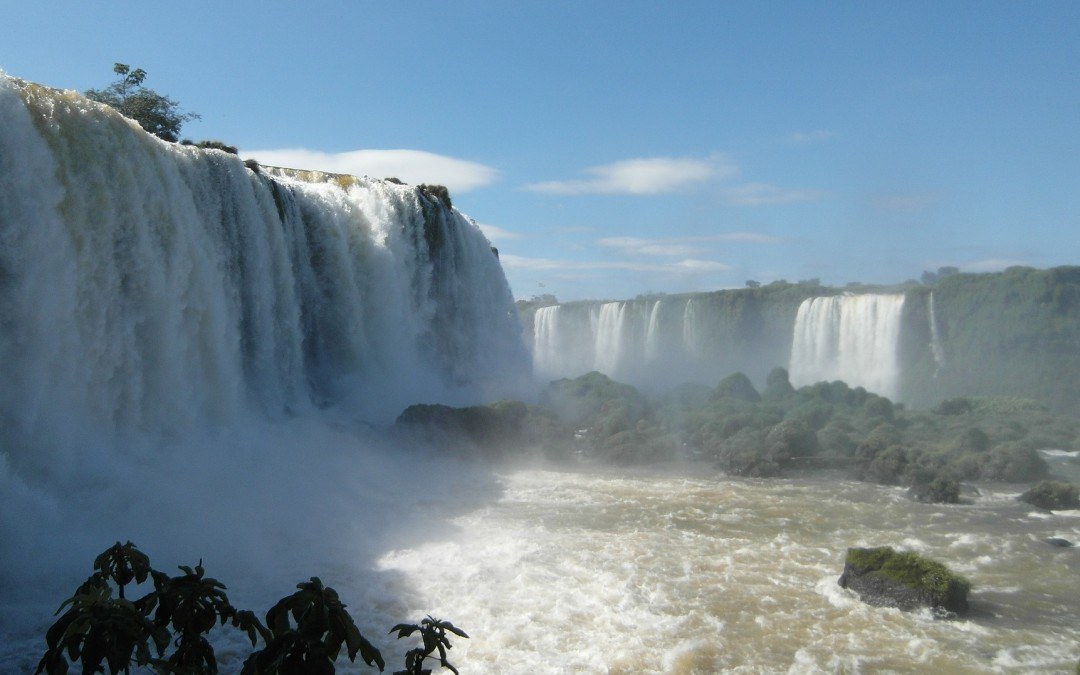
(747, 237)
(680, 246)
(635, 246)
(412, 166)
(643, 176)
(494, 233)
(686, 266)
(757, 194)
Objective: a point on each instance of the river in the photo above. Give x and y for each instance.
(676, 572)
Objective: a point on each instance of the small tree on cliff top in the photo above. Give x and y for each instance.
(157, 114)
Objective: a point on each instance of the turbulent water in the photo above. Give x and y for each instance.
(853, 338)
(608, 572)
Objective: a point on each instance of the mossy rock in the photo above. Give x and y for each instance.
(1052, 495)
(885, 577)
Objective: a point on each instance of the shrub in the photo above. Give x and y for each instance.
(157, 114)
(306, 633)
(1052, 495)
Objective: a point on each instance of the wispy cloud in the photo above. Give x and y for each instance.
(686, 266)
(758, 194)
(411, 166)
(804, 137)
(494, 233)
(636, 246)
(680, 246)
(643, 176)
(748, 237)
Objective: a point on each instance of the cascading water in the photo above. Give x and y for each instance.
(689, 328)
(853, 338)
(191, 351)
(157, 288)
(937, 350)
(652, 333)
(610, 338)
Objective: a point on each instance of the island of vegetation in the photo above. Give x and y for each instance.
(778, 431)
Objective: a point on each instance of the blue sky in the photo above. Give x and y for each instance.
(614, 148)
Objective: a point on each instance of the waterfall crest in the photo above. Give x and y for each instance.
(853, 338)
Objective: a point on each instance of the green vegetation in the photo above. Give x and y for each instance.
(828, 425)
(1010, 333)
(304, 632)
(157, 114)
(1052, 495)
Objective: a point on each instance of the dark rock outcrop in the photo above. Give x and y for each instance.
(886, 578)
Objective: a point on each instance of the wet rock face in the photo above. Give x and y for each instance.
(886, 578)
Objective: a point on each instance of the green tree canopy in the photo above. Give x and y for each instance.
(157, 114)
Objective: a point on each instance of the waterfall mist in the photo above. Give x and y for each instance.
(193, 352)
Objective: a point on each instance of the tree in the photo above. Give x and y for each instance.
(157, 114)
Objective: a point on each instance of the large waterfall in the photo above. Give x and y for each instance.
(155, 288)
(853, 338)
(190, 349)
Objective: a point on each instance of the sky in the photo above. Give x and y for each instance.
(617, 148)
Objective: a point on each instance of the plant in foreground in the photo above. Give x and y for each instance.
(304, 632)
(433, 634)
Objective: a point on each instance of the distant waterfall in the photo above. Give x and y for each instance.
(689, 328)
(619, 339)
(652, 333)
(936, 348)
(851, 338)
(149, 288)
(609, 337)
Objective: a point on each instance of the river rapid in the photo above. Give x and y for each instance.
(673, 571)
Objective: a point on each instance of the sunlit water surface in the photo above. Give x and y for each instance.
(671, 572)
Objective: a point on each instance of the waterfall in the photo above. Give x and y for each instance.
(853, 338)
(548, 350)
(652, 333)
(149, 289)
(610, 340)
(936, 348)
(689, 328)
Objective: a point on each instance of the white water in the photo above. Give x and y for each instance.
(937, 350)
(610, 572)
(853, 338)
(191, 355)
(689, 328)
(627, 341)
